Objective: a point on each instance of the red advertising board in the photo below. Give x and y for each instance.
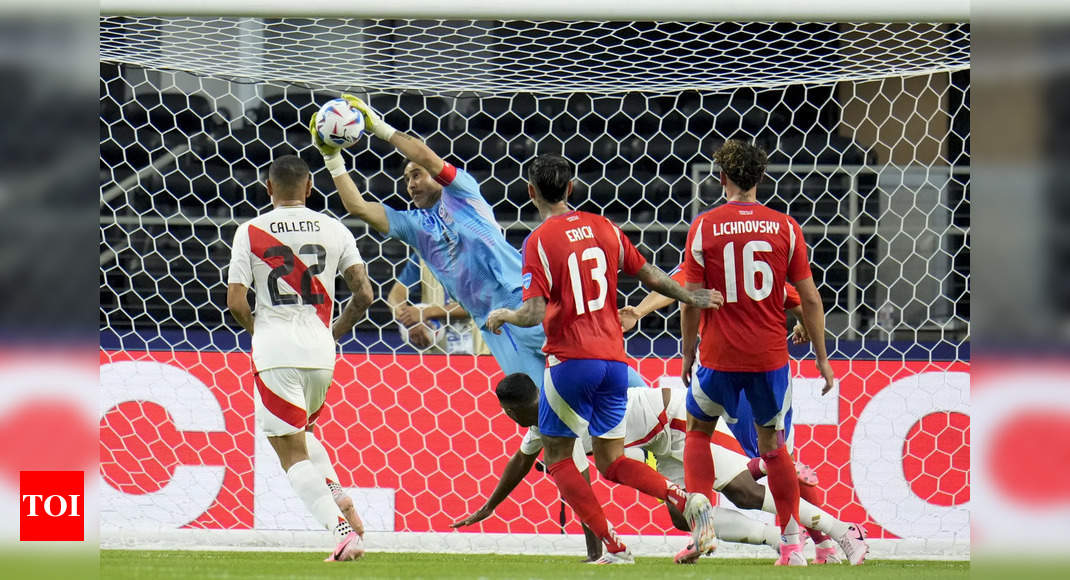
(431, 429)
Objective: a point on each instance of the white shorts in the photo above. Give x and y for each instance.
(289, 399)
(727, 465)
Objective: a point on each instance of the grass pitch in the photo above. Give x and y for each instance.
(154, 565)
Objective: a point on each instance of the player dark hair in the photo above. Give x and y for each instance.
(743, 163)
(550, 174)
(288, 172)
(516, 389)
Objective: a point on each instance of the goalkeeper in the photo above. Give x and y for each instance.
(453, 230)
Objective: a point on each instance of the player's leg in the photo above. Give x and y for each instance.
(564, 413)
(281, 405)
(769, 394)
(731, 525)
(607, 429)
(710, 395)
(745, 430)
(318, 382)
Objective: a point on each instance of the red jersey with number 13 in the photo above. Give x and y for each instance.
(572, 261)
(747, 252)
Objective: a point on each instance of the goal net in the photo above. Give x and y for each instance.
(867, 128)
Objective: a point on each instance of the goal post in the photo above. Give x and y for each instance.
(867, 127)
(593, 10)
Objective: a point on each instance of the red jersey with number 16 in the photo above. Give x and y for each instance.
(572, 261)
(748, 252)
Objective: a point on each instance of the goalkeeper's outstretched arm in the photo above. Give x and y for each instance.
(371, 213)
(412, 148)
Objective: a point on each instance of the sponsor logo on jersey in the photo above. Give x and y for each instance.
(526, 280)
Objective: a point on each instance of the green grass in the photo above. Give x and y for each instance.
(300, 565)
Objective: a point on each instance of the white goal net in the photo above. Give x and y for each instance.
(867, 127)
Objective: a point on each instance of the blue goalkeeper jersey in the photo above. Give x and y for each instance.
(460, 241)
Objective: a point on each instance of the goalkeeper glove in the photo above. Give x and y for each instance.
(372, 122)
(332, 154)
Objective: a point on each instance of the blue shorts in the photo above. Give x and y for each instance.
(717, 393)
(584, 396)
(519, 350)
(744, 430)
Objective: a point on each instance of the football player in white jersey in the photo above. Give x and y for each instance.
(655, 421)
(291, 256)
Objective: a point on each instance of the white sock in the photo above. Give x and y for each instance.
(817, 518)
(768, 505)
(791, 532)
(307, 482)
(732, 526)
(317, 454)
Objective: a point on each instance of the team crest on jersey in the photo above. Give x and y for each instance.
(526, 280)
(444, 215)
(428, 221)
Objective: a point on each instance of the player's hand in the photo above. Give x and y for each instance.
(497, 318)
(420, 336)
(629, 317)
(409, 315)
(685, 373)
(706, 298)
(373, 123)
(325, 149)
(825, 368)
(479, 516)
(799, 334)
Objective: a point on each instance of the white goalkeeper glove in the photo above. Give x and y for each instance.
(373, 123)
(332, 154)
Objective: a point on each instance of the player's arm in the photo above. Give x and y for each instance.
(798, 332)
(238, 305)
(630, 315)
(451, 312)
(519, 465)
(412, 148)
(529, 314)
(356, 277)
(371, 213)
(689, 323)
(397, 297)
(813, 319)
(660, 282)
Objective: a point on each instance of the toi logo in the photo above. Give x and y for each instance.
(51, 506)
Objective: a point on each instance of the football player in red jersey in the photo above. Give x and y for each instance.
(571, 263)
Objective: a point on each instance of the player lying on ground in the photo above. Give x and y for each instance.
(654, 421)
(748, 252)
(743, 429)
(453, 230)
(291, 256)
(571, 263)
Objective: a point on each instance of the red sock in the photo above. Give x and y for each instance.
(698, 463)
(640, 476)
(810, 494)
(578, 495)
(784, 485)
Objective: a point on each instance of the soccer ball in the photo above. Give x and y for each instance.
(338, 123)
